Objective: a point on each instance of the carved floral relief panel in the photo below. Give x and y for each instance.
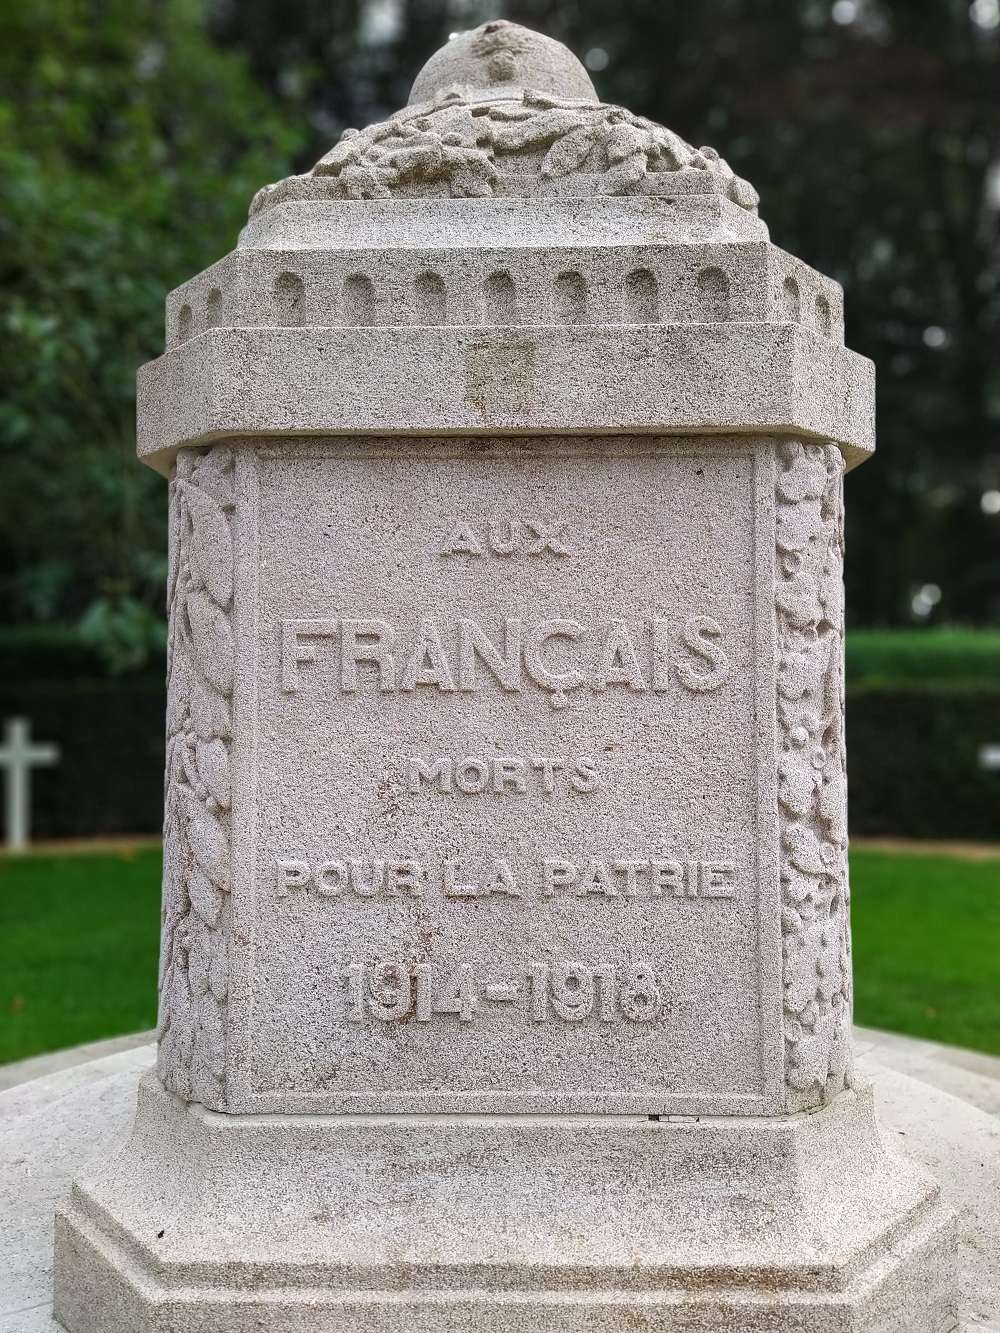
(812, 787)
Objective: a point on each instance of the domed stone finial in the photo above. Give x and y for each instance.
(502, 54)
(504, 111)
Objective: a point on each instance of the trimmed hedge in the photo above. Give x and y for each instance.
(110, 730)
(110, 775)
(920, 705)
(913, 762)
(49, 652)
(923, 656)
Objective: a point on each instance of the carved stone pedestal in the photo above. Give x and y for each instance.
(506, 961)
(426, 1224)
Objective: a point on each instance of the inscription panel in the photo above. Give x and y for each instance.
(508, 750)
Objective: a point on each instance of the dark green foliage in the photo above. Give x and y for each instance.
(29, 653)
(920, 705)
(134, 132)
(887, 658)
(913, 762)
(129, 148)
(109, 728)
(874, 146)
(110, 776)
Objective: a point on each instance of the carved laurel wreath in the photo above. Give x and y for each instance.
(196, 852)
(466, 148)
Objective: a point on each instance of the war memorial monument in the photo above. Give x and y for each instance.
(506, 970)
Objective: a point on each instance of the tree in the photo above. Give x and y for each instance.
(130, 145)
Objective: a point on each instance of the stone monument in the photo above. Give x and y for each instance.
(506, 968)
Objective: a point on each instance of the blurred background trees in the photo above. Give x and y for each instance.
(130, 143)
(133, 134)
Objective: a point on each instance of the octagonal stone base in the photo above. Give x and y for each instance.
(209, 1223)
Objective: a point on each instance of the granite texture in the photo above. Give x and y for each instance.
(201, 667)
(499, 1222)
(503, 111)
(58, 1126)
(596, 957)
(572, 311)
(506, 972)
(667, 379)
(526, 708)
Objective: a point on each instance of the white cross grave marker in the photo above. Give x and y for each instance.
(989, 757)
(18, 756)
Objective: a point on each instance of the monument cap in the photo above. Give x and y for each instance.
(504, 55)
(506, 253)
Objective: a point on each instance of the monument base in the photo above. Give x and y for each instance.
(207, 1223)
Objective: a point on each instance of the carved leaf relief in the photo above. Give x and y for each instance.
(210, 549)
(211, 640)
(812, 790)
(197, 839)
(460, 147)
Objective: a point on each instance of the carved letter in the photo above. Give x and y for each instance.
(463, 541)
(546, 537)
(558, 683)
(452, 887)
(548, 769)
(378, 879)
(406, 876)
(661, 662)
(428, 664)
(598, 879)
(700, 635)
(294, 653)
(498, 546)
(632, 869)
(331, 878)
(508, 774)
(472, 776)
(504, 881)
(718, 880)
(557, 875)
(586, 776)
(290, 875)
(367, 641)
(472, 641)
(667, 875)
(618, 664)
(438, 770)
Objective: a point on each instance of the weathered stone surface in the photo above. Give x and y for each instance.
(725, 1224)
(506, 964)
(707, 379)
(546, 881)
(503, 111)
(56, 1126)
(499, 53)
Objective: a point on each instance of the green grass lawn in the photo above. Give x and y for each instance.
(927, 946)
(79, 936)
(79, 948)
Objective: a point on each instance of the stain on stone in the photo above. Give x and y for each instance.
(500, 377)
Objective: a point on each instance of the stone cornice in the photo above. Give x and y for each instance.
(587, 379)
